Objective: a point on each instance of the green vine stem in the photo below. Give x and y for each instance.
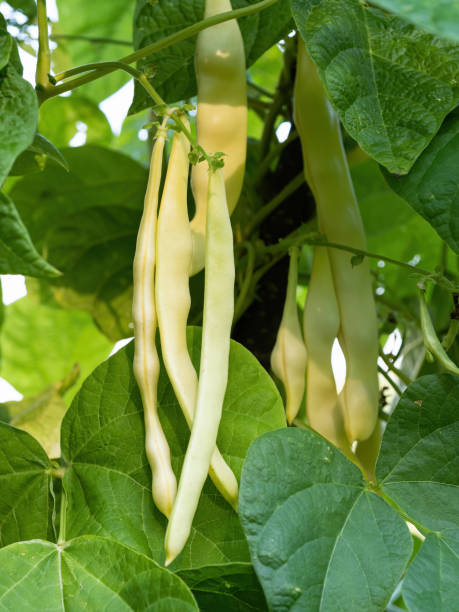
(451, 334)
(158, 46)
(241, 298)
(44, 55)
(390, 380)
(403, 377)
(62, 518)
(268, 208)
(96, 40)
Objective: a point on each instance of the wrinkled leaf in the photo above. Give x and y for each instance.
(173, 67)
(18, 117)
(419, 460)
(87, 573)
(431, 580)
(440, 17)
(5, 43)
(432, 186)
(390, 83)
(25, 501)
(318, 539)
(17, 253)
(109, 481)
(41, 344)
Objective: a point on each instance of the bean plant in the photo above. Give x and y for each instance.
(238, 351)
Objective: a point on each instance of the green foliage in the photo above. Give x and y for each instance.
(36, 156)
(87, 573)
(390, 83)
(61, 338)
(440, 17)
(173, 68)
(109, 481)
(26, 503)
(432, 186)
(87, 223)
(17, 253)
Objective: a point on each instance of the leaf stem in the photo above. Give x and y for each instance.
(62, 518)
(163, 43)
(403, 377)
(91, 39)
(241, 298)
(44, 56)
(390, 380)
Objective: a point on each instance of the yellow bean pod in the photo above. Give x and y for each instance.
(288, 358)
(221, 118)
(213, 373)
(321, 324)
(173, 264)
(146, 361)
(328, 175)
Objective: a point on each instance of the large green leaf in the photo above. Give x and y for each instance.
(17, 252)
(5, 43)
(83, 21)
(25, 502)
(440, 17)
(41, 344)
(419, 461)
(393, 229)
(88, 573)
(229, 587)
(431, 580)
(432, 186)
(87, 221)
(18, 117)
(390, 83)
(173, 67)
(318, 539)
(61, 118)
(109, 481)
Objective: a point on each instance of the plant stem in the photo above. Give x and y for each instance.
(268, 208)
(390, 380)
(403, 377)
(63, 518)
(238, 307)
(451, 334)
(44, 57)
(275, 152)
(91, 39)
(163, 43)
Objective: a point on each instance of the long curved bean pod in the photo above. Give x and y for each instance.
(213, 373)
(173, 264)
(146, 362)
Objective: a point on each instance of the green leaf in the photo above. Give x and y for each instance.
(226, 588)
(41, 415)
(109, 481)
(86, 220)
(88, 19)
(440, 17)
(431, 580)
(5, 43)
(41, 344)
(318, 540)
(36, 156)
(173, 67)
(394, 229)
(18, 117)
(432, 186)
(87, 573)
(17, 253)
(391, 84)
(62, 118)
(26, 502)
(419, 461)
(28, 7)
